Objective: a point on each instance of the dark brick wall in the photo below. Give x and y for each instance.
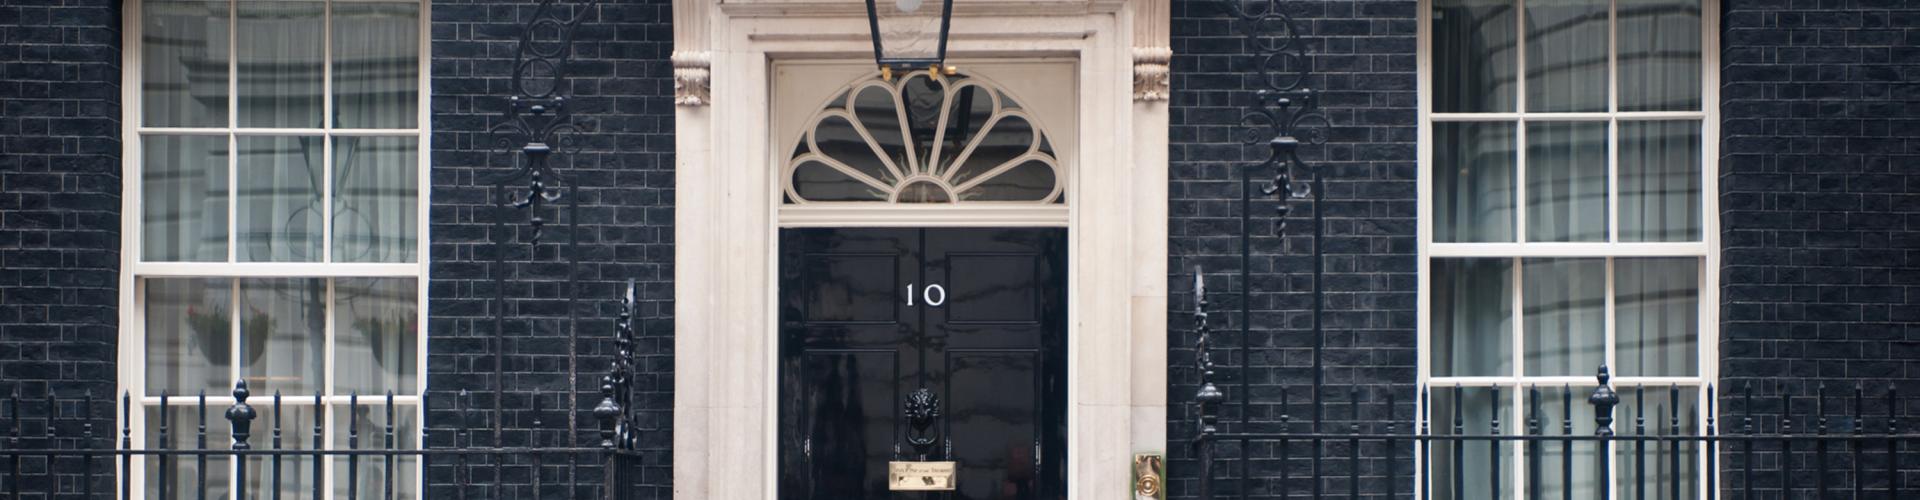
(1820, 210)
(59, 211)
(622, 87)
(1366, 61)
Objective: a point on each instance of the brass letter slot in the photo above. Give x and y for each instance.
(920, 476)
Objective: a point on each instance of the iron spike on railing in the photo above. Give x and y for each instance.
(52, 442)
(1786, 443)
(533, 439)
(1353, 444)
(1893, 444)
(387, 489)
(1392, 471)
(1458, 447)
(1603, 401)
(1711, 446)
(240, 420)
(1533, 446)
(277, 444)
(460, 470)
(166, 461)
(200, 445)
(1746, 445)
(86, 441)
(319, 442)
(1820, 445)
(1673, 429)
(1859, 441)
(353, 444)
(1425, 438)
(1640, 444)
(1494, 444)
(1566, 446)
(1286, 445)
(13, 443)
(126, 443)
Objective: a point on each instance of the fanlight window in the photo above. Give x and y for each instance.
(923, 139)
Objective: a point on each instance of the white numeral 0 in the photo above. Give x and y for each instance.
(926, 295)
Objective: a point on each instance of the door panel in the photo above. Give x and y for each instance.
(977, 316)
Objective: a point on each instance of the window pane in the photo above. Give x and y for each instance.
(183, 198)
(370, 419)
(1659, 55)
(1655, 469)
(189, 334)
(376, 211)
(1660, 181)
(1657, 316)
(283, 336)
(376, 324)
(296, 423)
(1566, 55)
(1473, 56)
(183, 63)
(1567, 181)
(281, 51)
(1476, 409)
(1564, 305)
(376, 64)
(1472, 317)
(279, 208)
(183, 471)
(1552, 407)
(1473, 182)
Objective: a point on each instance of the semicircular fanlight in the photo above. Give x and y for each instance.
(923, 139)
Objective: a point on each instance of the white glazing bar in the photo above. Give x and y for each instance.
(1566, 116)
(1649, 249)
(275, 269)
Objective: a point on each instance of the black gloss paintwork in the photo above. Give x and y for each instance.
(851, 348)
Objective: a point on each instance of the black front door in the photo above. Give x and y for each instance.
(976, 317)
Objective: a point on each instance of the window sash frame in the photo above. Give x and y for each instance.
(1516, 384)
(131, 356)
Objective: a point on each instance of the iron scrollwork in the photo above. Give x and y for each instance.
(1284, 114)
(616, 412)
(1286, 110)
(538, 121)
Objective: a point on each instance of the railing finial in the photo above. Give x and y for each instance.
(1603, 401)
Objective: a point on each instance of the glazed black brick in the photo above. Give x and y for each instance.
(1365, 58)
(59, 221)
(622, 86)
(1819, 213)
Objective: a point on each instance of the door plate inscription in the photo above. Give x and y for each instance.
(920, 476)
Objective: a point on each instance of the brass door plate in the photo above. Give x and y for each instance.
(920, 476)
(1149, 471)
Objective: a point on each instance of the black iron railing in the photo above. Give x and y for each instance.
(57, 466)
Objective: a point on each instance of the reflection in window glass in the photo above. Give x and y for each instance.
(281, 60)
(283, 334)
(279, 206)
(376, 210)
(183, 198)
(189, 328)
(1564, 304)
(1473, 182)
(1660, 181)
(1567, 181)
(376, 64)
(376, 334)
(183, 63)
(1466, 467)
(1566, 55)
(1474, 51)
(1659, 55)
(1472, 317)
(1657, 316)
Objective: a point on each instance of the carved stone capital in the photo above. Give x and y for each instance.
(1151, 77)
(691, 74)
